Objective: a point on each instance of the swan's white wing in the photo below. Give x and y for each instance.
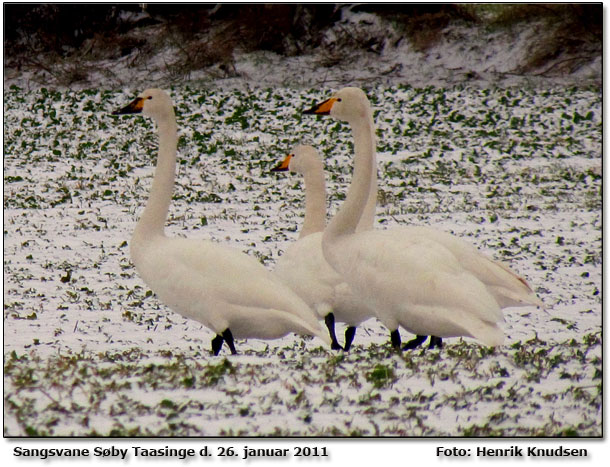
(508, 288)
(241, 279)
(220, 287)
(415, 282)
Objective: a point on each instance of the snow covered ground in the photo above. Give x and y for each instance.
(89, 350)
(467, 143)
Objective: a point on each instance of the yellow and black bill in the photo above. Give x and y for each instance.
(134, 107)
(284, 165)
(323, 108)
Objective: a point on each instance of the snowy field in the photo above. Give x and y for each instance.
(89, 350)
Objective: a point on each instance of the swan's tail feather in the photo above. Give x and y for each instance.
(514, 290)
(508, 298)
(317, 331)
(490, 335)
(272, 324)
(509, 288)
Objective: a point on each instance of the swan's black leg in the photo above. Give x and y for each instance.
(414, 343)
(395, 339)
(329, 319)
(350, 332)
(217, 344)
(227, 336)
(435, 342)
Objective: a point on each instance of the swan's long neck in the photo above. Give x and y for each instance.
(315, 201)
(153, 218)
(367, 219)
(347, 220)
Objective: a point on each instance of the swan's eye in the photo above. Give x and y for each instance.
(338, 99)
(149, 97)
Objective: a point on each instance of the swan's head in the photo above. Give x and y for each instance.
(348, 104)
(155, 103)
(301, 160)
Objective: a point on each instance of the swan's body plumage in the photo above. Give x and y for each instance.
(427, 281)
(224, 289)
(303, 268)
(434, 295)
(211, 287)
(307, 273)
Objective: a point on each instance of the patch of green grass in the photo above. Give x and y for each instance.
(381, 376)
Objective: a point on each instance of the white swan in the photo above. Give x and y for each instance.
(303, 268)
(429, 282)
(224, 289)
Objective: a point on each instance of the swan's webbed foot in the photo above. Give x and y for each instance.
(217, 344)
(395, 339)
(350, 332)
(414, 343)
(435, 342)
(228, 337)
(329, 319)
